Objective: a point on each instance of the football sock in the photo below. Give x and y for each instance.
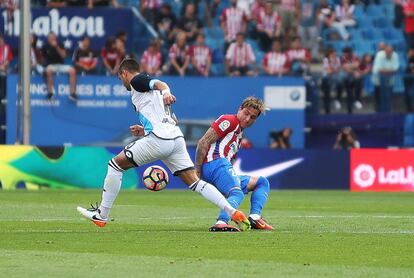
(211, 193)
(254, 216)
(235, 197)
(259, 196)
(112, 185)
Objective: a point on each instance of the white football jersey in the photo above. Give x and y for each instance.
(154, 116)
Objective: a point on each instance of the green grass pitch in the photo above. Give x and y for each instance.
(165, 234)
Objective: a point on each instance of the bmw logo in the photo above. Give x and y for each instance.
(295, 95)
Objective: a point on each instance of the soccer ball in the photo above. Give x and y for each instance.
(155, 178)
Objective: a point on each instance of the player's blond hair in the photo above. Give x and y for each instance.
(255, 103)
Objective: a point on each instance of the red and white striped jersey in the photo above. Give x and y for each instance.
(299, 54)
(240, 56)
(201, 54)
(276, 61)
(180, 54)
(151, 4)
(151, 60)
(234, 20)
(230, 134)
(267, 22)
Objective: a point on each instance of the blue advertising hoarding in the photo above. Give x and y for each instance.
(288, 169)
(104, 110)
(70, 25)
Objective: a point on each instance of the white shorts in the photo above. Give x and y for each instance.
(150, 148)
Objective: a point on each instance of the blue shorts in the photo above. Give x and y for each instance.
(221, 174)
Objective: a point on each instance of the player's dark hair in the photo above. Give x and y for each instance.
(130, 65)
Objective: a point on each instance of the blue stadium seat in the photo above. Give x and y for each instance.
(398, 84)
(399, 45)
(363, 47)
(218, 56)
(359, 12)
(389, 10)
(382, 22)
(375, 10)
(372, 34)
(356, 34)
(217, 69)
(393, 34)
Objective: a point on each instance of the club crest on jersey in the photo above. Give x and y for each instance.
(224, 125)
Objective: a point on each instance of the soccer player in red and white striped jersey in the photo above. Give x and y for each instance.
(276, 62)
(233, 21)
(240, 58)
(200, 55)
(151, 60)
(215, 153)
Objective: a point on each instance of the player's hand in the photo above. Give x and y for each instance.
(137, 130)
(169, 98)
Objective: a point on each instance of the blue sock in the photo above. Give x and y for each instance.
(235, 197)
(259, 196)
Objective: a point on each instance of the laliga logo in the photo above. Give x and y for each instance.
(76, 26)
(364, 175)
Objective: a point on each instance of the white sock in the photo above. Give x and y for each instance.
(211, 193)
(112, 185)
(220, 222)
(255, 216)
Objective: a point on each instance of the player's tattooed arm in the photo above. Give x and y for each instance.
(202, 147)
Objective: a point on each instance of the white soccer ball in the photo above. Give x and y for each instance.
(155, 178)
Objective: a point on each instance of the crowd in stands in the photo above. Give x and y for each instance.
(275, 38)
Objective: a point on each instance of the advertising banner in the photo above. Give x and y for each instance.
(69, 24)
(103, 113)
(34, 167)
(382, 170)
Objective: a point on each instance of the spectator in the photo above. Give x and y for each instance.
(245, 143)
(165, 25)
(268, 26)
(345, 13)
(240, 59)
(258, 7)
(150, 9)
(233, 21)
(179, 58)
(350, 65)
(409, 22)
(289, 11)
(328, 21)
(102, 3)
(120, 41)
(331, 79)
(110, 56)
(189, 23)
(54, 54)
(386, 64)
(36, 57)
(200, 56)
(346, 139)
(299, 58)
(409, 81)
(281, 139)
(365, 70)
(151, 60)
(308, 30)
(6, 56)
(276, 62)
(398, 13)
(84, 58)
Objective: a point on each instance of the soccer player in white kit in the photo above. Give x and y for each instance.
(163, 140)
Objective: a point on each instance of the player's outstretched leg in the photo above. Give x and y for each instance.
(258, 200)
(112, 185)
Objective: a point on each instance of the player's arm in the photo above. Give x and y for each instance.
(209, 138)
(144, 83)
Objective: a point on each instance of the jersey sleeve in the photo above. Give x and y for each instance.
(141, 82)
(224, 125)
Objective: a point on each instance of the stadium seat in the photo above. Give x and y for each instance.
(217, 69)
(372, 34)
(393, 34)
(375, 10)
(398, 85)
(218, 56)
(382, 22)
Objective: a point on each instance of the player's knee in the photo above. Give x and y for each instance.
(264, 183)
(237, 192)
